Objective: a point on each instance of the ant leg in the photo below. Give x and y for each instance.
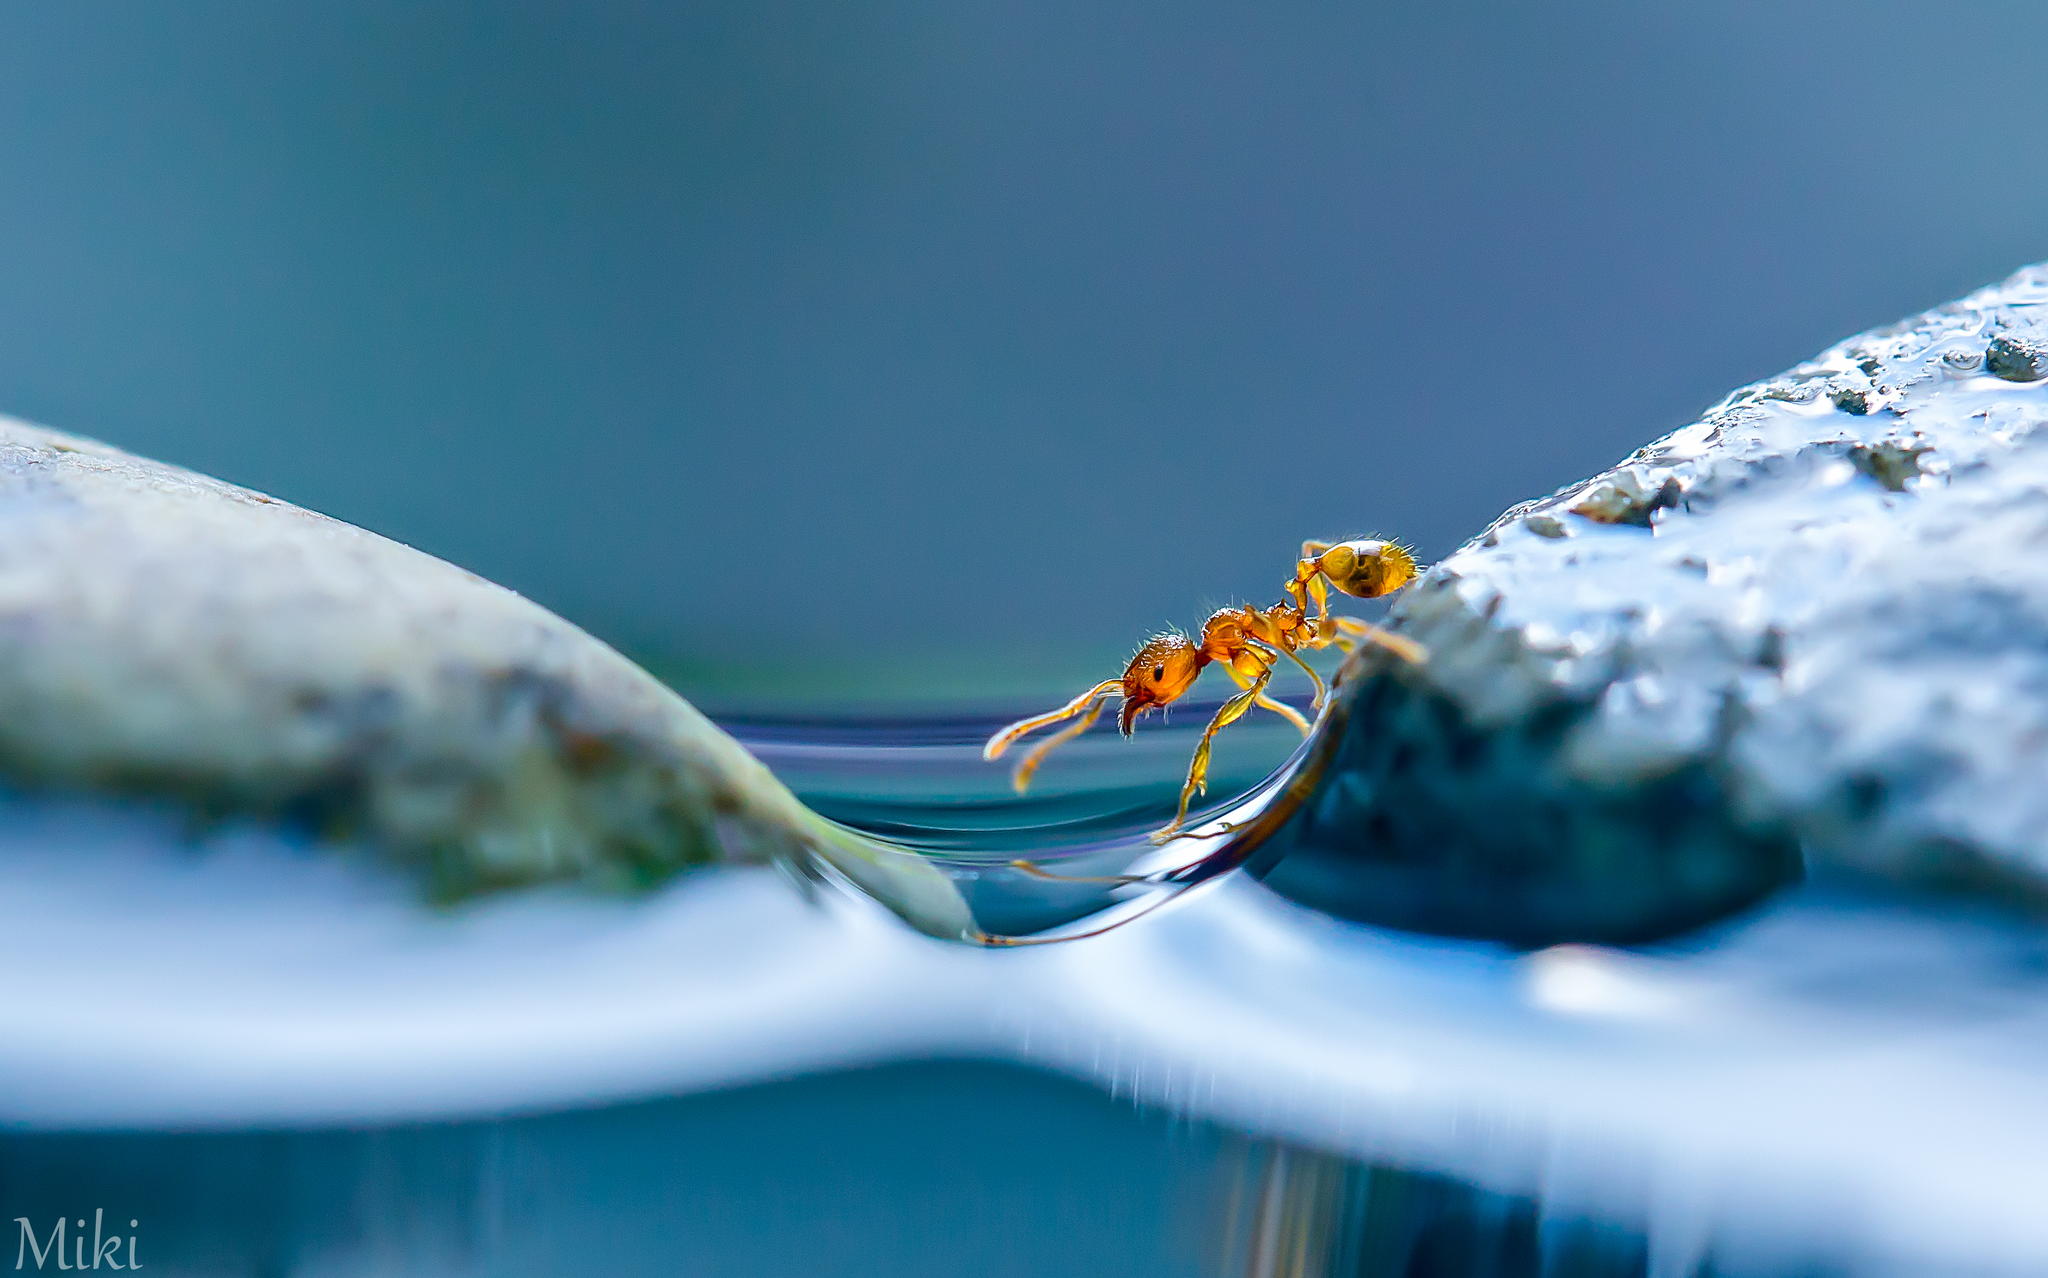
(1265, 702)
(1027, 767)
(994, 940)
(1222, 828)
(1037, 871)
(1198, 767)
(1400, 645)
(1284, 710)
(1309, 585)
(1322, 692)
(1005, 738)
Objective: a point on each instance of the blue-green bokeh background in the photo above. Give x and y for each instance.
(929, 344)
(924, 347)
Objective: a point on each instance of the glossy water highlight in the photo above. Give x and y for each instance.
(917, 780)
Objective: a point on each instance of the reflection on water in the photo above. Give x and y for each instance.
(223, 1027)
(920, 781)
(908, 1171)
(1297, 1213)
(905, 1172)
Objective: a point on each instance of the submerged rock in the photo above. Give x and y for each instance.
(167, 635)
(1809, 631)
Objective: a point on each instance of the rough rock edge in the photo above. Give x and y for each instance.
(1626, 730)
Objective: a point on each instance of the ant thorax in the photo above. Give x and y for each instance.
(1223, 634)
(1230, 630)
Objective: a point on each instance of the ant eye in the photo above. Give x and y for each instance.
(1158, 673)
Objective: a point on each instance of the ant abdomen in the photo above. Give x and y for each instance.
(1367, 568)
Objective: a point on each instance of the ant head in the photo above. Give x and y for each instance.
(1368, 568)
(1163, 669)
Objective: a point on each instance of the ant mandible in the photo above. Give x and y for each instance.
(1247, 642)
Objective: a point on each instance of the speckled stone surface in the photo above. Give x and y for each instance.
(1808, 633)
(167, 635)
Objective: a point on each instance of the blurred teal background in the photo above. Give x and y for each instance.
(923, 347)
(852, 352)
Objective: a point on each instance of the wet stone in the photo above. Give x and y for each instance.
(1893, 463)
(1624, 497)
(169, 637)
(2019, 356)
(1825, 650)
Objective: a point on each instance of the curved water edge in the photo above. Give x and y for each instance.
(171, 637)
(914, 793)
(1835, 1069)
(254, 983)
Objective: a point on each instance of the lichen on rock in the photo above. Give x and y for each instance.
(1809, 631)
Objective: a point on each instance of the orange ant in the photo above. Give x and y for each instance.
(1247, 642)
